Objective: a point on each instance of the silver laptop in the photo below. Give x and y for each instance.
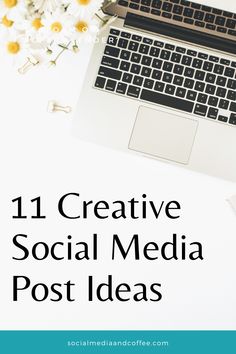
(161, 83)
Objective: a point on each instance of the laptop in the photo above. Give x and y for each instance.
(161, 83)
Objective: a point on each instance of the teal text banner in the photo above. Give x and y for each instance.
(72, 342)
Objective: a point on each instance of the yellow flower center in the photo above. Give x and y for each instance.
(10, 3)
(6, 22)
(83, 2)
(81, 26)
(13, 47)
(37, 24)
(56, 27)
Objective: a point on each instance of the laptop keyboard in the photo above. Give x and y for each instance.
(173, 76)
(186, 12)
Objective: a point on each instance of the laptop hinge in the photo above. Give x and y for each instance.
(177, 32)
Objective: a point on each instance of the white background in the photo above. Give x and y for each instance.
(39, 157)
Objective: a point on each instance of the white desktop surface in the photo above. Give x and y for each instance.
(40, 157)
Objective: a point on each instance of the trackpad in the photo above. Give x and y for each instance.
(163, 135)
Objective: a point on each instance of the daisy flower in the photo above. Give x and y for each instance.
(7, 7)
(83, 7)
(56, 26)
(16, 48)
(84, 28)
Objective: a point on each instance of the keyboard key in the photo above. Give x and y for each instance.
(220, 21)
(200, 109)
(157, 74)
(210, 78)
(165, 100)
(188, 83)
(144, 49)
(178, 69)
(189, 21)
(231, 95)
(202, 98)
(209, 18)
(170, 89)
(154, 52)
(138, 80)
(188, 12)
(221, 29)
(109, 73)
(221, 92)
(189, 72)
(210, 26)
(157, 63)
(113, 52)
(200, 75)
(231, 83)
(175, 57)
(167, 6)
(181, 92)
(148, 83)
(146, 71)
(100, 82)
(199, 24)
(214, 59)
(197, 63)
(230, 23)
(159, 44)
(198, 15)
(186, 60)
(133, 46)
(199, 86)
(210, 89)
(193, 53)
(218, 69)
(232, 107)
(125, 55)
(203, 56)
(177, 9)
(111, 85)
(156, 4)
(223, 119)
(148, 41)
(178, 18)
(124, 65)
(112, 40)
(135, 69)
(166, 14)
(135, 58)
(207, 66)
(221, 81)
(133, 91)
(178, 80)
(122, 43)
(165, 54)
(213, 101)
(159, 86)
(191, 95)
(108, 61)
(121, 88)
(212, 113)
(156, 12)
(167, 66)
(136, 38)
(114, 31)
(127, 78)
(232, 119)
(180, 50)
(169, 46)
(229, 72)
(167, 77)
(146, 60)
(232, 32)
(125, 34)
(224, 104)
(224, 61)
